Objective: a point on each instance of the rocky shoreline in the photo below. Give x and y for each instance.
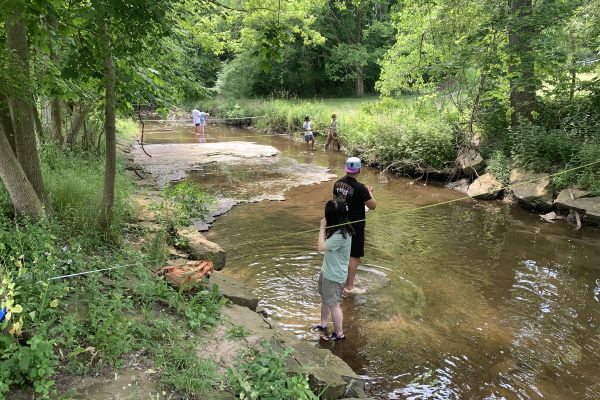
(328, 374)
(531, 190)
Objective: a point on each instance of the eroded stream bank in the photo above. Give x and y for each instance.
(465, 300)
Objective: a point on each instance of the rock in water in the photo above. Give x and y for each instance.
(486, 187)
(532, 190)
(581, 201)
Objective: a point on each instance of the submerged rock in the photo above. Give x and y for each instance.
(532, 190)
(486, 187)
(462, 185)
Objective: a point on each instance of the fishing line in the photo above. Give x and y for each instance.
(408, 210)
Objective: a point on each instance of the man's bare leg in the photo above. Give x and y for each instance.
(338, 319)
(352, 267)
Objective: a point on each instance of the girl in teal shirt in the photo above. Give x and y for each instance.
(335, 241)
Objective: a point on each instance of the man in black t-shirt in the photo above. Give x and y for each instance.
(357, 196)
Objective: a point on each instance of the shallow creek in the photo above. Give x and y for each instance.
(469, 300)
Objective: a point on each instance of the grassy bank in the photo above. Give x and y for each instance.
(57, 330)
(411, 134)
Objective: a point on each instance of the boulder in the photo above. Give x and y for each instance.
(581, 201)
(532, 190)
(327, 373)
(486, 187)
(201, 248)
(234, 290)
(470, 161)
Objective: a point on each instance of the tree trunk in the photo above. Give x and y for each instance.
(21, 107)
(521, 64)
(56, 106)
(109, 121)
(6, 122)
(359, 83)
(80, 113)
(22, 194)
(56, 111)
(39, 128)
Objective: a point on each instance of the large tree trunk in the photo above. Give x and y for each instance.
(521, 63)
(56, 106)
(359, 83)
(24, 128)
(6, 122)
(24, 198)
(110, 169)
(56, 112)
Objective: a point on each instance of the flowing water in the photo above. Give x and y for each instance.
(466, 300)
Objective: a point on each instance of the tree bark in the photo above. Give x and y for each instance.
(39, 128)
(20, 190)
(80, 113)
(21, 107)
(109, 120)
(56, 111)
(521, 66)
(6, 122)
(359, 83)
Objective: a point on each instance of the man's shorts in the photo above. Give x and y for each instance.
(357, 250)
(330, 291)
(309, 137)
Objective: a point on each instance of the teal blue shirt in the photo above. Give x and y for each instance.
(337, 255)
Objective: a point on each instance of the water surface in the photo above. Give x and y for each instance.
(469, 300)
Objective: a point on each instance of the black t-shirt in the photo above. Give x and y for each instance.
(355, 194)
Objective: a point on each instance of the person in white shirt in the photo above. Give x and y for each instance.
(308, 134)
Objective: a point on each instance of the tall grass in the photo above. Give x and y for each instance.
(407, 132)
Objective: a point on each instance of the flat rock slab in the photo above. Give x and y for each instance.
(126, 384)
(171, 162)
(327, 372)
(486, 187)
(234, 290)
(532, 190)
(582, 202)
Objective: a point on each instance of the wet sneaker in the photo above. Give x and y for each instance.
(334, 337)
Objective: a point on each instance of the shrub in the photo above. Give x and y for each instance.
(262, 375)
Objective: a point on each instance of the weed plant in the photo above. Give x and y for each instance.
(263, 375)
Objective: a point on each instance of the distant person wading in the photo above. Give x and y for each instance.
(356, 196)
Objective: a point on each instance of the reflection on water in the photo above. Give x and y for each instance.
(464, 300)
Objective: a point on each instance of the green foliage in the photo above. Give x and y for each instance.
(183, 203)
(539, 149)
(262, 375)
(238, 332)
(184, 371)
(202, 309)
(499, 166)
(74, 182)
(33, 364)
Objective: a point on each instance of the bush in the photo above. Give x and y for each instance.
(262, 375)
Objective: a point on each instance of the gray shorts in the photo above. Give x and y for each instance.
(308, 137)
(330, 291)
